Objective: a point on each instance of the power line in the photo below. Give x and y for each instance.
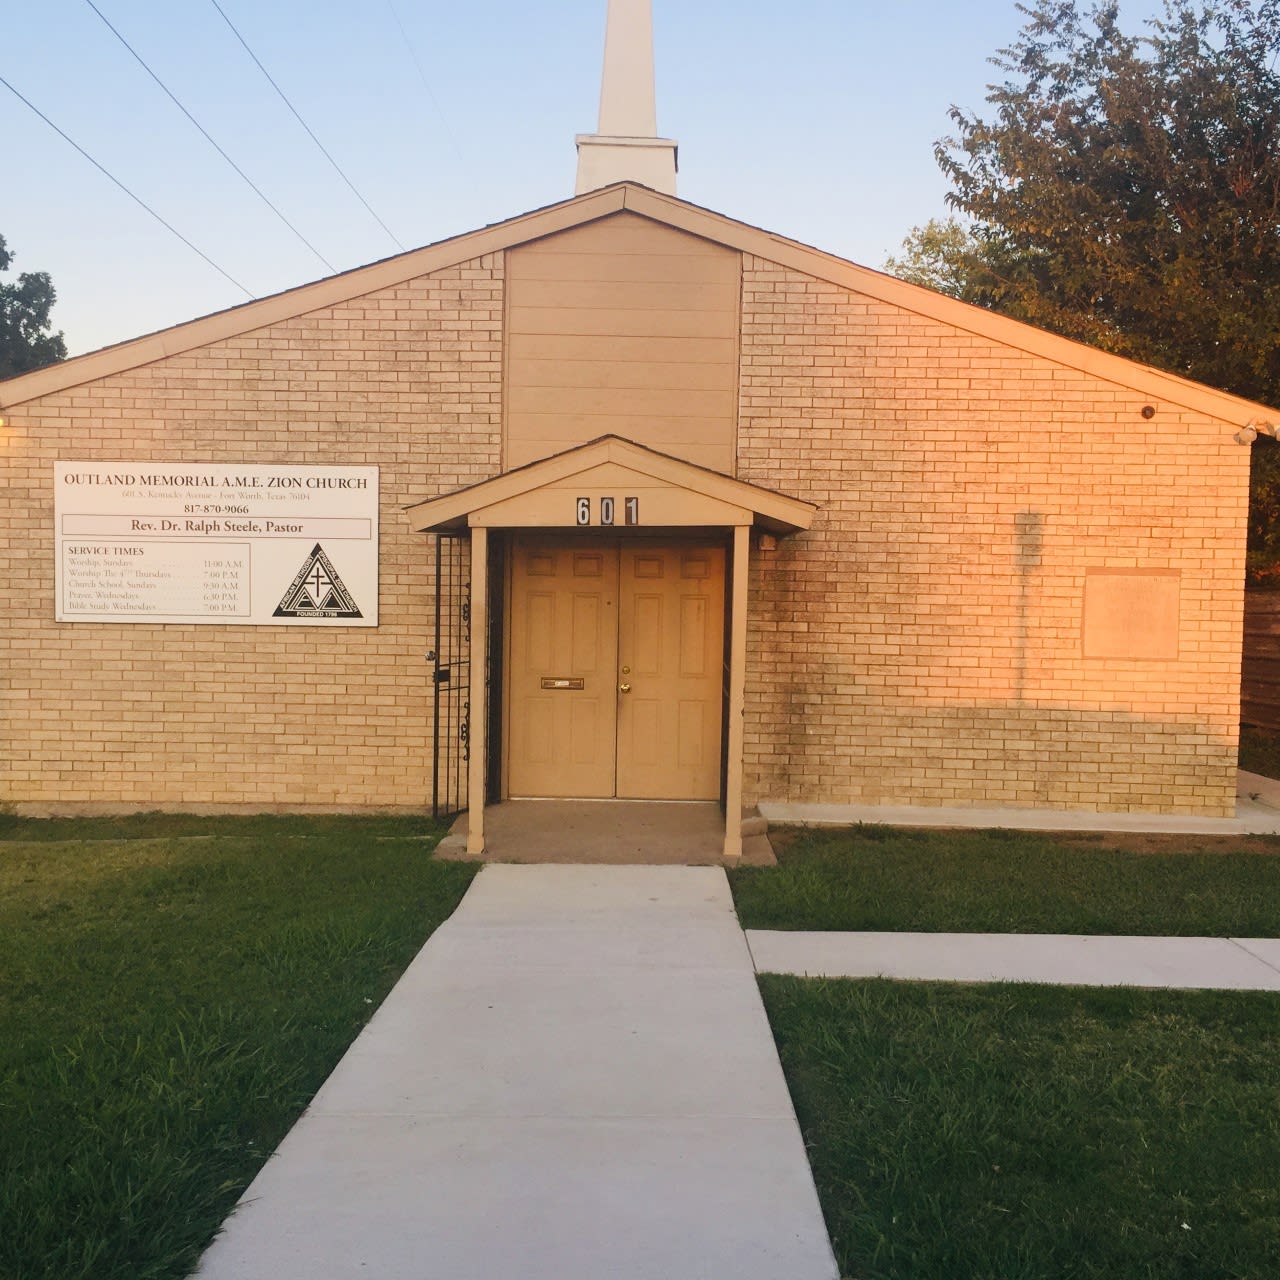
(426, 84)
(208, 137)
(130, 194)
(304, 124)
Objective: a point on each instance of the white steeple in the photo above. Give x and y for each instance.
(627, 147)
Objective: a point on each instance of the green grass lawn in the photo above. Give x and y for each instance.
(172, 992)
(885, 878)
(1038, 1133)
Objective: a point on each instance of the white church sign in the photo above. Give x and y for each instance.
(216, 543)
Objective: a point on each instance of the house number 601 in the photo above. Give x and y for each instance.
(608, 511)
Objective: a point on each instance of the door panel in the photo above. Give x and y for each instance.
(671, 636)
(564, 628)
(646, 615)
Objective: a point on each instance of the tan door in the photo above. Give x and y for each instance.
(615, 670)
(563, 663)
(671, 653)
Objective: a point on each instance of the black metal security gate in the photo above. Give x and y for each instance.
(451, 675)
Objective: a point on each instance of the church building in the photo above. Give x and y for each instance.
(619, 498)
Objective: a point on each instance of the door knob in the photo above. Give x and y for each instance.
(624, 688)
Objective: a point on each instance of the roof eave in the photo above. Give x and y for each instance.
(329, 292)
(932, 305)
(676, 213)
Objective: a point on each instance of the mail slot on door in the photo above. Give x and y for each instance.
(563, 682)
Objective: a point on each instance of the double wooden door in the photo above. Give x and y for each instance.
(615, 669)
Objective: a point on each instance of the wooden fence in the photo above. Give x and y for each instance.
(1260, 675)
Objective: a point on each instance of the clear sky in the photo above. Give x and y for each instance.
(815, 118)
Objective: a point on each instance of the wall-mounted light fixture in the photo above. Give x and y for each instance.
(1252, 430)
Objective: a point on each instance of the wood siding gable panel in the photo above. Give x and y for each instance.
(624, 327)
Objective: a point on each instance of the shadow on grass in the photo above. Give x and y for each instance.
(157, 825)
(895, 879)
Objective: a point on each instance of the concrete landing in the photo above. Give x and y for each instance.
(1236, 964)
(606, 832)
(574, 1079)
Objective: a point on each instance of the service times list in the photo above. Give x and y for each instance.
(174, 579)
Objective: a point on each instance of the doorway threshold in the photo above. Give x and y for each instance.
(686, 833)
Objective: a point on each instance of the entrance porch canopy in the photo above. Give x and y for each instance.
(613, 486)
(670, 493)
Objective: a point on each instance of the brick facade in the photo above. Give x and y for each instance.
(409, 379)
(922, 644)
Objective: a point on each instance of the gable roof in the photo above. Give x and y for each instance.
(717, 499)
(676, 213)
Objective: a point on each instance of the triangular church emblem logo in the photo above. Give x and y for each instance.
(317, 592)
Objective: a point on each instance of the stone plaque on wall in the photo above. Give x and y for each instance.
(230, 544)
(1129, 614)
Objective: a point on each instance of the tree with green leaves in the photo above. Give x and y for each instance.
(1124, 190)
(945, 255)
(25, 340)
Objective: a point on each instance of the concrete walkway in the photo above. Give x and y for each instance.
(609, 832)
(1257, 813)
(574, 1079)
(1239, 964)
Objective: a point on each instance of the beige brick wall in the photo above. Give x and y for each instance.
(914, 646)
(921, 644)
(408, 379)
